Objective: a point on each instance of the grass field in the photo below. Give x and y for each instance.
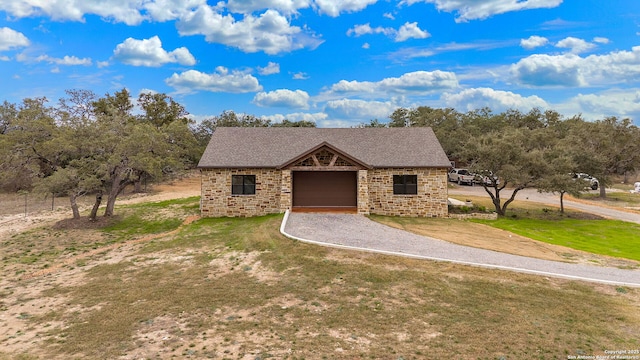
(615, 199)
(236, 289)
(572, 229)
(605, 237)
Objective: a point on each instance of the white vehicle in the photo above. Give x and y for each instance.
(462, 176)
(593, 182)
(487, 178)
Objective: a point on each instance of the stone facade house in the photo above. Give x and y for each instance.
(386, 171)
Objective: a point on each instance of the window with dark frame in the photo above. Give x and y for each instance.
(243, 184)
(405, 184)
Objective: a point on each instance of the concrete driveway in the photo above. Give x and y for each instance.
(357, 232)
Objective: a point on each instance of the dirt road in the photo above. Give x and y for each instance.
(550, 199)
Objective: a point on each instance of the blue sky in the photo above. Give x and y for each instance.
(335, 62)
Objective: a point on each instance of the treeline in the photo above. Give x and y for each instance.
(535, 149)
(85, 144)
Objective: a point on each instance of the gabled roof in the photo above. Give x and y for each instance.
(325, 145)
(273, 147)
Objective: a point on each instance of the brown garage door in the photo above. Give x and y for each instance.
(325, 189)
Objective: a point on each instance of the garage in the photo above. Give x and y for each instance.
(328, 189)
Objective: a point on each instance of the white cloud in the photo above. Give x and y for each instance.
(344, 86)
(126, 11)
(130, 12)
(570, 70)
(11, 39)
(547, 70)
(366, 46)
(359, 30)
(575, 45)
(411, 31)
(389, 16)
(300, 76)
(149, 52)
(482, 9)
(66, 60)
(533, 42)
(313, 117)
(288, 7)
(559, 24)
(618, 102)
(220, 81)
(359, 110)
(406, 31)
(283, 98)
(420, 52)
(270, 69)
(600, 40)
(166, 10)
(496, 100)
(334, 8)
(270, 32)
(418, 82)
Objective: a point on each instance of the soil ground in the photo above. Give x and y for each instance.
(18, 302)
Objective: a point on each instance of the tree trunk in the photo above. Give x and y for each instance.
(603, 191)
(113, 195)
(496, 204)
(137, 186)
(74, 206)
(111, 202)
(495, 198)
(561, 202)
(96, 205)
(113, 192)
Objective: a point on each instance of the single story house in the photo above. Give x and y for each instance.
(386, 171)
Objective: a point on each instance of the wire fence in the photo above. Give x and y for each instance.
(29, 203)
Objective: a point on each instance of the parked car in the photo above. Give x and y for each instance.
(486, 179)
(462, 176)
(593, 182)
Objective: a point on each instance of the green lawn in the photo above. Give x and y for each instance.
(604, 237)
(615, 199)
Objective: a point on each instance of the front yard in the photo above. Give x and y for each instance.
(236, 289)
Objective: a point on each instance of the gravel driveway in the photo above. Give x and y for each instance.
(357, 232)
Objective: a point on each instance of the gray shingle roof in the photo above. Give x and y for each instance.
(272, 147)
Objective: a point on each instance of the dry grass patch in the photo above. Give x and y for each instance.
(236, 289)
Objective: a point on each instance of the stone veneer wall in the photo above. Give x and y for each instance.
(363, 192)
(216, 199)
(431, 200)
(285, 193)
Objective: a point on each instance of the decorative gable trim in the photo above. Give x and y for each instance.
(324, 157)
